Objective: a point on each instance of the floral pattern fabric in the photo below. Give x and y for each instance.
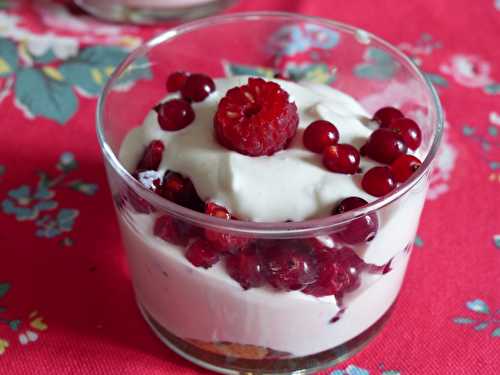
(66, 301)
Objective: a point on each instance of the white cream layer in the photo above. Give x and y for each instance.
(207, 305)
(289, 185)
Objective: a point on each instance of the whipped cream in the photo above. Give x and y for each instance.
(292, 184)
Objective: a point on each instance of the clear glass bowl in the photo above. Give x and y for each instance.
(203, 314)
(152, 11)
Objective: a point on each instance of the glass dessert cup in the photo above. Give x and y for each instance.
(152, 11)
(204, 314)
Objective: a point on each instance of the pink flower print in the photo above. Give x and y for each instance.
(468, 70)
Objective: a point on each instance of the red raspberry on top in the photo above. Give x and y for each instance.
(256, 119)
(223, 242)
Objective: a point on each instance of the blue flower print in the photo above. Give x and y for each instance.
(33, 204)
(489, 142)
(13, 324)
(354, 370)
(295, 39)
(67, 162)
(321, 37)
(289, 41)
(496, 241)
(27, 206)
(49, 227)
(377, 65)
(484, 317)
(351, 370)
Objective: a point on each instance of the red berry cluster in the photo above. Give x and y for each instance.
(307, 265)
(388, 145)
(176, 114)
(285, 265)
(171, 185)
(322, 137)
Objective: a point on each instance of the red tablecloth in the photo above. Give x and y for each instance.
(66, 302)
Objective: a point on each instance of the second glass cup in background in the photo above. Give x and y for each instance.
(204, 314)
(152, 11)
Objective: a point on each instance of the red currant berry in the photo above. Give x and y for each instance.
(408, 130)
(176, 81)
(341, 158)
(359, 230)
(378, 181)
(319, 135)
(175, 114)
(384, 116)
(384, 146)
(197, 87)
(404, 166)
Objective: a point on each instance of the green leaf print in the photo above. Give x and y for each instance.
(247, 70)
(4, 288)
(91, 68)
(45, 96)
(8, 57)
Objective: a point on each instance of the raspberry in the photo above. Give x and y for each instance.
(174, 231)
(320, 242)
(246, 268)
(223, 242)
(151, 158)
(338, 272)
(216, 210)
(181, 190)
(256, 119)
(201, 254)
(288, 266)
(138, 203)
(151, 180)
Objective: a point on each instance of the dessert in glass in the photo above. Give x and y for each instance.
(152, 11)
(267, 220)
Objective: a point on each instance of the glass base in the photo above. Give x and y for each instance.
(143, 15)
(290, 366)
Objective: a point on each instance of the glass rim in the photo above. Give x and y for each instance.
(282, 229)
